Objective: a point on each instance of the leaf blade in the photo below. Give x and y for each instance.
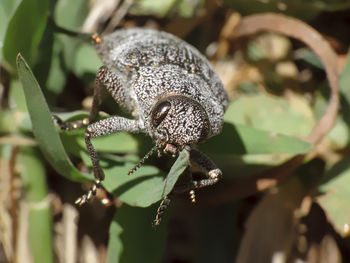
(43, 126)
(147, 185)
(24, 32)
(243, 139)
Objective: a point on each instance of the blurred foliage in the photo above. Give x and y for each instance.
(278, 92)
(304, 9)
(161, 8)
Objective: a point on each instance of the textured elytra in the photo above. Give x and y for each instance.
(153, 66)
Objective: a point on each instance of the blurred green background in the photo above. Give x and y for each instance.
(278, 90)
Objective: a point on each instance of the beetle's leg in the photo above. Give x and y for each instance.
(106, 80)
(100, 128)
(201, 161)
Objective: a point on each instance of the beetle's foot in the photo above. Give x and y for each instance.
(160, 211)
(192, 196)
(67, 126)
(215, 174)
(89, 195)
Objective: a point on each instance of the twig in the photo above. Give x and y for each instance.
(118, 16)
(299, 30)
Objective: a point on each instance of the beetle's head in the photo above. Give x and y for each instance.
(177, 122)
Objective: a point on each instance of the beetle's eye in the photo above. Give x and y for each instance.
(160, 113)
(205, 130)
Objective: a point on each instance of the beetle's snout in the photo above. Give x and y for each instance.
(171, 149)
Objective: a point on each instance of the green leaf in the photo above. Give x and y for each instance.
(87, 60)
(159, 8)
(25, 31)
(115, 244)
(74, 140)
(176, 170)
(260, 124)
(49, 69)
(310, 57)
(132, 238)
(239, 139)
(70, 15)
(121, 142)
(340, 134)
(271, 113)
(17, 98)
(162, 8)
(43, 127)
(33, 176)
(7, 8)
(189, 9)
(145, 186)
(56, 78)
(336, 196)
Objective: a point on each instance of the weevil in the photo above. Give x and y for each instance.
(170, 89)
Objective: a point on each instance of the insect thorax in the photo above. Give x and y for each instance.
(156, 64)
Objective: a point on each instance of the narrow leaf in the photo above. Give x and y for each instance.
(40, 217)
(43, 127)
(147, 185)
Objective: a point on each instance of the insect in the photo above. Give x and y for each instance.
(170, 89)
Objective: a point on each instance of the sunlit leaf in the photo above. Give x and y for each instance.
(335, 198)
(271, 113)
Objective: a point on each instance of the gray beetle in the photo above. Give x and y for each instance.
(170, 89)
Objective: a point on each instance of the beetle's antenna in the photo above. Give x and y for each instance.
(138, 165)
(84, 36)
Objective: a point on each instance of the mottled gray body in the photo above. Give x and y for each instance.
(172, 92)
(152, 65)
